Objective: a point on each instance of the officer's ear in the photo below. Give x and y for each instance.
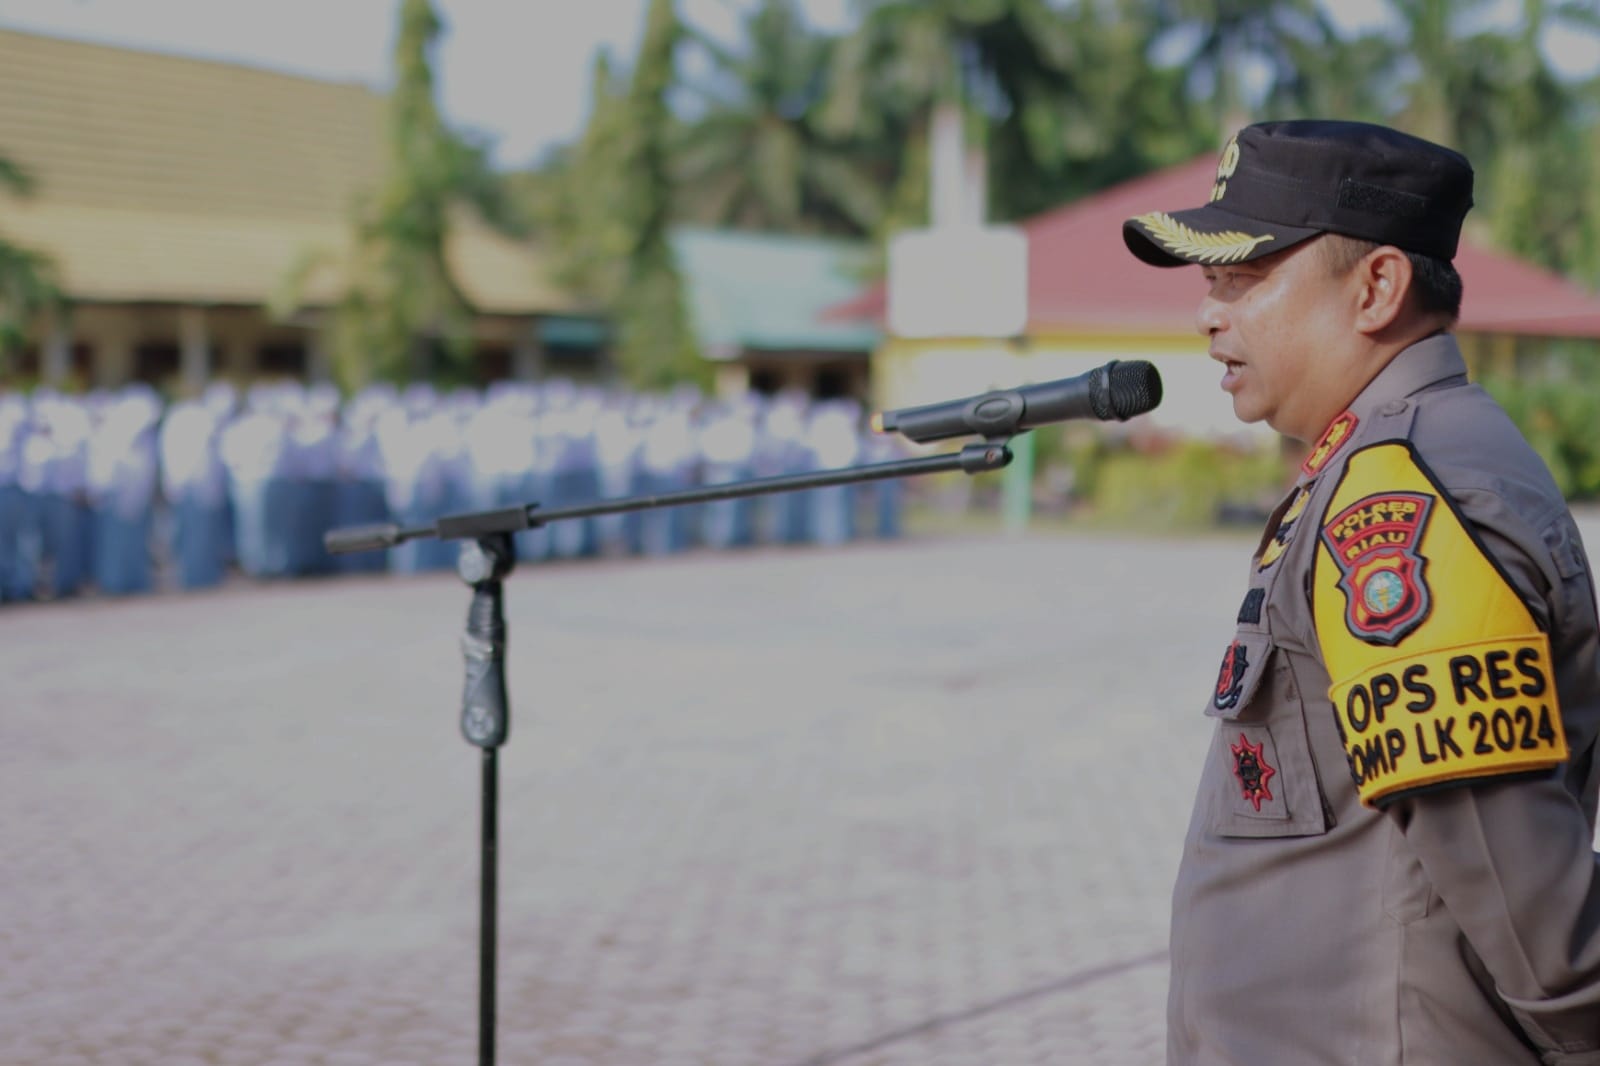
(1381, 284)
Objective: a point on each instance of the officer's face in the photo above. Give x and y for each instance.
(1278, 325)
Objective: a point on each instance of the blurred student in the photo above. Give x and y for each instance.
(123, 473)
(195, 483)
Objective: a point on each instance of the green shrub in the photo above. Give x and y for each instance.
(1167, 484)
(1186, 486)
(1561, 419)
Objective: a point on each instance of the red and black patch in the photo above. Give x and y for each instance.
(1332, 439)
(1251, 768)
(1230, 678)
(1382, 572)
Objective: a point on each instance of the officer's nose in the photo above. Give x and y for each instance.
(1211, 316)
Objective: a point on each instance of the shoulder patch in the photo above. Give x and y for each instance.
(1440, 674)
(1376, 544)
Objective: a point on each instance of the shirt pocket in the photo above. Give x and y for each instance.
(1260, 777)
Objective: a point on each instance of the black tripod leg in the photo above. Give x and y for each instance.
(488, 906)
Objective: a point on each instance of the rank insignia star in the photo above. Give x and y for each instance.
(1333, 438)
(1251, 768)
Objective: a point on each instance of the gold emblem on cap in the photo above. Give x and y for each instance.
(1225, 168)
(1228, 246)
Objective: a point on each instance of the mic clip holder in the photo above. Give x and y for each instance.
(485, 710)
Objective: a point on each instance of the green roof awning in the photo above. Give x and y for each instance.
(568, 332)
(769, 291)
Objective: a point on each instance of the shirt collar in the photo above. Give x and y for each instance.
(1424, 364)
(1415, 369)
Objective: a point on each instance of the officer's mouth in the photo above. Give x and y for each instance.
(1231, 370)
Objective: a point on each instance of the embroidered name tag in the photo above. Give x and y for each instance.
(1451, 715)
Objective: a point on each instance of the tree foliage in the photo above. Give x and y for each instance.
(401, 312)
(29, 286)
(756, 155)
(655, 344)
(790, 129)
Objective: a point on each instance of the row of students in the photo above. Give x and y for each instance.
(106, 490)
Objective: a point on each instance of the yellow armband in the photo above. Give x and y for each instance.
(1440, 675)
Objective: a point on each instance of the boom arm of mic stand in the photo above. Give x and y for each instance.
(972, 459)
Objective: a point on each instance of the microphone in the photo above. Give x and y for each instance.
(1118, 390)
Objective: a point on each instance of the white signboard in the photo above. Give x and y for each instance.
(958, 281)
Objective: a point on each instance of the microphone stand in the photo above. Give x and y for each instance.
(484, 564)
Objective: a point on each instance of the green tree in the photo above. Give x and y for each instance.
(1121, 116)
(1064, 98)
(1492, 94)
(1538, 193)
(655, 344)
(1235, 38)
(754, 156)
(401, 313)
(1451, 83)
(29, 286)
(1006, 63)
(577, 196)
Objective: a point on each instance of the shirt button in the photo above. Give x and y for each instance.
(1393, 407)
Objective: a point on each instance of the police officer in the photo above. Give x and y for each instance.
(1390, 858)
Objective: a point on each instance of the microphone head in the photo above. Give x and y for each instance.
(1132, 387)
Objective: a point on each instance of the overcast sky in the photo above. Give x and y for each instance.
(516, 70)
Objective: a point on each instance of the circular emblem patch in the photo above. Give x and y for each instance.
(1384, 593)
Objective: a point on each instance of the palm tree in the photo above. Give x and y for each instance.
(755, 156)
(1005, 63)
(1233, 37)
(1064, 99)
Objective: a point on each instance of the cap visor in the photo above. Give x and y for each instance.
(1206, 235)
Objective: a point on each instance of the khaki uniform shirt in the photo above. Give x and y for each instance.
(1391, 854)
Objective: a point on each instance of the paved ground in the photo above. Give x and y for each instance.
(912, 804)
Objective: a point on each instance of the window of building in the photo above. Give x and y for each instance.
(281, 360)
(156, 362)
